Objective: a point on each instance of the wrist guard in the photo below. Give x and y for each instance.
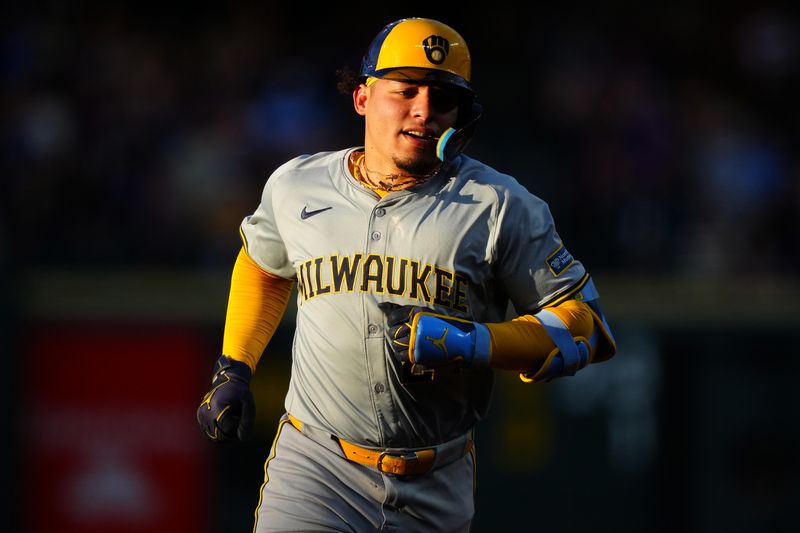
(428, 339)
(438, 339)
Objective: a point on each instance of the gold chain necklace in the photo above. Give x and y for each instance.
(400, 181)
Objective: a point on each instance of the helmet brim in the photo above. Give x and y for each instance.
(422, 75)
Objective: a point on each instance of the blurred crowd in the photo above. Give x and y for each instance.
(664, 138)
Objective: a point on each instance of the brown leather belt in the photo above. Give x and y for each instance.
(400, 463)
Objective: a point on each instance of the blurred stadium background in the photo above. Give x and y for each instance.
(134, 138)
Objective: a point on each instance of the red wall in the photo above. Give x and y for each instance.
(110, 442)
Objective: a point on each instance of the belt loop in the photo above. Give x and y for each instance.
(296, 423)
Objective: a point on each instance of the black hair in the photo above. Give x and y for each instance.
(347, 80)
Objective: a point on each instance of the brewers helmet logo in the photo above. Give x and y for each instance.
(436, 48)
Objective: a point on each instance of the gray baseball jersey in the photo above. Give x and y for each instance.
(464, 244)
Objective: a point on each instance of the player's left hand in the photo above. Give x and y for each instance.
(422, 337)
(228, 410)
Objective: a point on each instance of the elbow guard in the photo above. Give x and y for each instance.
(570, 355)
(574, 353)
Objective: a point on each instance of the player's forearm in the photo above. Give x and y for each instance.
(256, 305)
(554, 342)
(523, 344)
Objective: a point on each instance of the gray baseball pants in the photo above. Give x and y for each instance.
(310, 486)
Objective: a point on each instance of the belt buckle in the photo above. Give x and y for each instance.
(401, 466)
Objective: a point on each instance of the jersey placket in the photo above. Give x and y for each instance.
(376, 245)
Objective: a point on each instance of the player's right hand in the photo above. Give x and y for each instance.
(228, 410)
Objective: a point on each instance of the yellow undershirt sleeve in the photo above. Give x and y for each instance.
(256, 305)
(523, 345)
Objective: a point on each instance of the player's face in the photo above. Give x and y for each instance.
(403, 124)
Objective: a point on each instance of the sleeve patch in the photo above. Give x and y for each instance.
(559, 260)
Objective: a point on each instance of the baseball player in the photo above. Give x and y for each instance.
(405, 253)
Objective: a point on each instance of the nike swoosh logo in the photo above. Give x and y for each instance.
(304, 214)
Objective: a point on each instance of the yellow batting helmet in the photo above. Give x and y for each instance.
(419, 49)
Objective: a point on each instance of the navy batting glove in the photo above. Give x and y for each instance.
(398, 320)
(228, 410)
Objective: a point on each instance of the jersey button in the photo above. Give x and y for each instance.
(380, 212)
(376, 235)
(379, 388)
(372, 328)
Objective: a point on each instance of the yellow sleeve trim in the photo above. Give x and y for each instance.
(569, 295)
(256, 305)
